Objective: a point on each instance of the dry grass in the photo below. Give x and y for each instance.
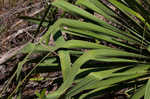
(3, 3)
(9, 21)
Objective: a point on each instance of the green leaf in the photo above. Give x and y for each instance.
(74, 9)
(148, 48)
(98, 79)
(20, 65)
(128, 11)
(147, 91)
(65, 63)
(99, 8)
(34, 20)
(139, 93)
(77, 57)
(83, 44)
(49, 62)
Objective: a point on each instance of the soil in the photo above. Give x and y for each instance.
(12, 35)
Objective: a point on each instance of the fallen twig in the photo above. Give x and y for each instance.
(20, 32)
(11, 53)
(18, 10)
(32, 14)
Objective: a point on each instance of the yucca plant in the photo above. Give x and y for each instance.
(91, 68)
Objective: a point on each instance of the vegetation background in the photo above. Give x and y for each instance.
(74, 49)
